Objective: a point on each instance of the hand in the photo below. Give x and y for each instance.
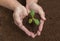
(18, 15)
(37, 9)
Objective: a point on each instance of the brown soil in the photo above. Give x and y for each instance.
(32, 27)
(51, 31)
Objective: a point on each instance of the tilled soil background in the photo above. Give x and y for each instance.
(51, 31)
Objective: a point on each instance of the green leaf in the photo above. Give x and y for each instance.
(30, 21)
(32, 13)
(36, 21)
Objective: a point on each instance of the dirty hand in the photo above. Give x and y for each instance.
(18, 15)
(37, 9)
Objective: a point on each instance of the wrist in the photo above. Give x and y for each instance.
(10, 4)
(17, 5)
(31, 1)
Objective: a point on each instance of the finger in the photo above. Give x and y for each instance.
(25, 12)
(42, 14)
(41, 25)
(25, 30)
(38, 9)
(32, 35)
(27, 7)
(38, 33)
(22, 27)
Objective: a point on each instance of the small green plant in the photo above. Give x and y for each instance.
(32, 14)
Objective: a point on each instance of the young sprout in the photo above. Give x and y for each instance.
(32, 14)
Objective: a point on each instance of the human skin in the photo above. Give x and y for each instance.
(38, 9)
(20, 12)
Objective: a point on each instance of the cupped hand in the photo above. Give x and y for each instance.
(37, 9)
(18, 15)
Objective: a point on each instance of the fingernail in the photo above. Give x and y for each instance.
(44, 18)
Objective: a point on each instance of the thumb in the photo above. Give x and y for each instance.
(27, 7)
(42, 14)
(43, 17)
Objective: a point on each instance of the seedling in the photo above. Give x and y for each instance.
(32, 14)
